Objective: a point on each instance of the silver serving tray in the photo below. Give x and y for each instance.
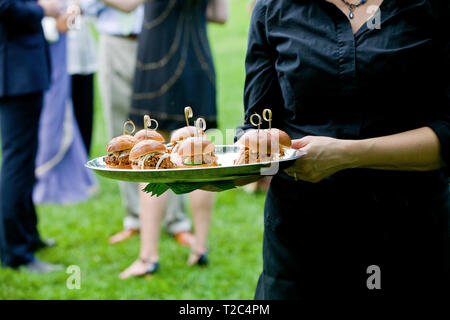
(226, 155)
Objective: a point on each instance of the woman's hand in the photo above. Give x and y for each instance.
(66, 20)
(324, 157)
(62, 22)
(413, 150)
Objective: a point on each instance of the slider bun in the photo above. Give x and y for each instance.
(185, 132)
(148, 134)
(253, 139)
(205, 165)
(137, 167)
(122, 166)
(283, 137)
(195, 146)
(121, 143)
(265, 140)
(146, 146)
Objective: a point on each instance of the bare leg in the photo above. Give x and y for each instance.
(202, 203)
(151, 213)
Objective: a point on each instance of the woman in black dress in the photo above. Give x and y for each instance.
(174, 65)
(366, 95)
(174, 69)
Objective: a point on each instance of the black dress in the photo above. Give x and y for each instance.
(174, 65)
(320, 79)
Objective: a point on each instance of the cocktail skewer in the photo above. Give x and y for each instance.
(267, 116)
(125, 130)
(188, 114)
(148, 123)
(252, 121)
(200, 125)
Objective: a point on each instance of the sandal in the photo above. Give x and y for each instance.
(154, 266)
(151, 269)
(200, 259)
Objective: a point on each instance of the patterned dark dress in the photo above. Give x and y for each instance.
(174, 66)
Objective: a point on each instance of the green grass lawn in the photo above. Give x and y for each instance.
(82, 230)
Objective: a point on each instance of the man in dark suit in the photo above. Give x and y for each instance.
(24, 75)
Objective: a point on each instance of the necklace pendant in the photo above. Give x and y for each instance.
(351, 7)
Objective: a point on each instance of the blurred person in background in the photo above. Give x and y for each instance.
(118, 41)
(174, 69)
(82, 65)
(24, 76)
(61, 175)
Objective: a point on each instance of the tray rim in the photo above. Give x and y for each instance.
(298, 155)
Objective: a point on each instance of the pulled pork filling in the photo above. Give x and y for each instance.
(248, 156)
(208, 158)
(119, 158)
(154, 160)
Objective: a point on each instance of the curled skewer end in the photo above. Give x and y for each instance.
(267, 116)
(126, 124)
(148, 123)
(188, 113)
(200, 124)
(252, 121)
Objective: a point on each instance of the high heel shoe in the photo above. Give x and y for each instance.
(200, 259)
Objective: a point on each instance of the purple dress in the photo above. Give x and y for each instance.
(60, 172)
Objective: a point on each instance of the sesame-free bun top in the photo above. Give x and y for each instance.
(265, 140)
(253, 139)
(146, 146)
(121, 143)
(147, 134)
(283, 137)
(186, 132)
(195, 145)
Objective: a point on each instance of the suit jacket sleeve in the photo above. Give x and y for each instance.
(27, 15)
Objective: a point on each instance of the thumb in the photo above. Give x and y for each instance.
(300, 143)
